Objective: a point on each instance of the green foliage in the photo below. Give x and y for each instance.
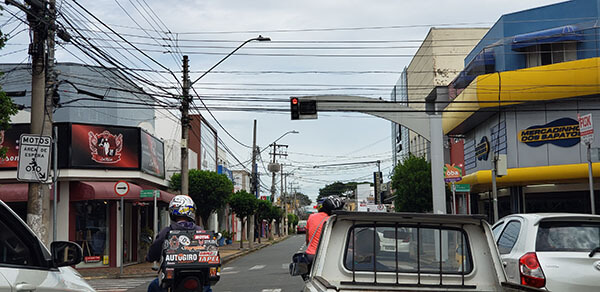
(303, 200)
(209, 190)
(339, 189)
(263, 210)
(275, 213)
(243, 204)
(412, 182)
(292, 220)
(227, 235)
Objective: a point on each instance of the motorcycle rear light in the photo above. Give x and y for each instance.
(170, 273)
(190, 284)
(531, 271)
(213, 272)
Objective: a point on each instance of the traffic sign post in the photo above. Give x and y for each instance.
(452, 174)
(586, 134)
(121, 189)
(34, 158)
(154, 194)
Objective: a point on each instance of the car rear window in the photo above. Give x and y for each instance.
(568, 236)
(407, 249)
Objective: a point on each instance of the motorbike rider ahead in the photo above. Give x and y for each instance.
(315, 223)
(182, 211)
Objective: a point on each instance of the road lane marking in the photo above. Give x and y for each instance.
(257, 267)
(227, 268)
(285, 266)
(271, 290)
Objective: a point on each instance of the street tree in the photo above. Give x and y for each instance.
(263, 210)
(7, 108)
(292, 220)
(276, 214)
(412, 184)
(208, 189)
(243, 204)
(303, 200)
(339, 189)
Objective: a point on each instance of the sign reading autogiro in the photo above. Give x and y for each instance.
(34, 158)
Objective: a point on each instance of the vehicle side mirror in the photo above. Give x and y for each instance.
(299, 265)
(66, 253)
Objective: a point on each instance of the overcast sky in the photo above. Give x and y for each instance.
(376, 41)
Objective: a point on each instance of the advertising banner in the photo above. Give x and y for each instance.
(96, 146)
(562, 132)
(586, 128)
(9, 139)
(364, 197)
(153, 158)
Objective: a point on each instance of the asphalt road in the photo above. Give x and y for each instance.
(265, 270)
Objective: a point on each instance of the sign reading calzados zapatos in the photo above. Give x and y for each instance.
(562, 132)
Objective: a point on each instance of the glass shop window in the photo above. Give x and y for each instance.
(91, 225)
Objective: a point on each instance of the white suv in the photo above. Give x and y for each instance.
(26, 264)
(555, 251)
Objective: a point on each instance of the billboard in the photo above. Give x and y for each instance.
(9, 139)
(153, 160)
(96, 146)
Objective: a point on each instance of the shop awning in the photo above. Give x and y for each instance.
(565, 173)
(17, 192)
(14, 192)
(552, 35)
(88, 190)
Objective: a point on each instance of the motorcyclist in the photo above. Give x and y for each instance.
(315, 223)
(182, 211)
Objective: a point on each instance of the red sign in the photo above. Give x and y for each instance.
(209, 259)
(9, 139)
(121, 188)
(104, 147)
(586, 129)
(92, 259)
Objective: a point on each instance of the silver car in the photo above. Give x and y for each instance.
(26, 264)
(554, 251)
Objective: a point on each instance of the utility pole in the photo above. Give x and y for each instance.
(38, 200)
(253, 188)
(185, 124)
(48, 123)
(283, 198)
(274, 168)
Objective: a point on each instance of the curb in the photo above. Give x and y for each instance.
(224, 261)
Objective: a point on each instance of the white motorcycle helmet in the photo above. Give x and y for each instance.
(182, 206)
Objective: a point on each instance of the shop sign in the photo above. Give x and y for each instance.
(462, 188)
(153, 161)
(482, 150)
(92, 259)
(586, 128)
(452, 173)
(149, 193)
(9, 139)
(562, 132)
(96, 146)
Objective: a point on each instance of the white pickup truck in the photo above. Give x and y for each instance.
(361, 251)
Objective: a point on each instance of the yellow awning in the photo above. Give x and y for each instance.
(555, 81)
(566, 173)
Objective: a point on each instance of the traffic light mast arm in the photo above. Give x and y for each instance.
(416, 120)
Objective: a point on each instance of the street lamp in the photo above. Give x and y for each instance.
(288, 132)
(260, 38)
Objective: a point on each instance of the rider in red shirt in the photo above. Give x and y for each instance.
(315, 223)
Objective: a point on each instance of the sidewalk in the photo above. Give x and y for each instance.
(227, 252)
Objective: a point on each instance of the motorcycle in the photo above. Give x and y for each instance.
(190, 261)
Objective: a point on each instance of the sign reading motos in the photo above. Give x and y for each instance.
(34, 158)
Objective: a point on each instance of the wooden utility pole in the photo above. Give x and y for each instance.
(185, 124)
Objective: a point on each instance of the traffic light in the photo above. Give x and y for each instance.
(303, 108)
(295, 108)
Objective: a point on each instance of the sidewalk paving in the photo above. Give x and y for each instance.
(228, 253)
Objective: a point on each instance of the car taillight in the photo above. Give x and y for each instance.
(170, 273)
(531, 271)
(190, 283)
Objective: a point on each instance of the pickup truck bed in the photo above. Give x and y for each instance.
(361, 251)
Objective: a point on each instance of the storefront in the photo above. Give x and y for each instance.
(92, 158)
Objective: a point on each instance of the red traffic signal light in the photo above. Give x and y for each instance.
(294, 101)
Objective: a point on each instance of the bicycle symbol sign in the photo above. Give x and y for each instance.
(34, 158)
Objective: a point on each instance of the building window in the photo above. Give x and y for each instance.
(546, 54)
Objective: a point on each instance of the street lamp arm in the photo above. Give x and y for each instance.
(288, 132)
(259, 38)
